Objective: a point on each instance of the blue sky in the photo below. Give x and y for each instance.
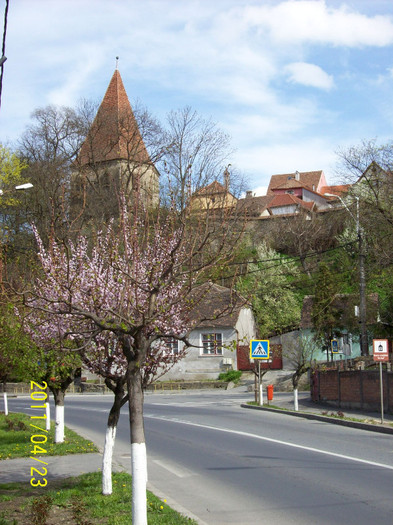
(291, 81)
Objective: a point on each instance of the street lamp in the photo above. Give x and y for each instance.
(362, 275)
(25, 186)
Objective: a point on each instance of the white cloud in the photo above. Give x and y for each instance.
(313, 21)
(309, 75)
(259, 191)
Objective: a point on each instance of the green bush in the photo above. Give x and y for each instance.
(230, 375)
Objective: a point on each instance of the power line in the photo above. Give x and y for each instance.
(3, 57)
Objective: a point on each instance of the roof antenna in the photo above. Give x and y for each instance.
(117, 62)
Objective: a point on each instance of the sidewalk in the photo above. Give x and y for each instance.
(18, 470)
(311, 410)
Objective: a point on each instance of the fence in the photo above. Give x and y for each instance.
(352, 388)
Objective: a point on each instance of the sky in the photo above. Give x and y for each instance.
(292, 82)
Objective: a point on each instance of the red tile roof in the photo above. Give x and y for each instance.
(290, 184)
(336, 190)
(212, 189)
(114, 134)
(311, 179)
(215, 306)
(285, 199)
(254, 206)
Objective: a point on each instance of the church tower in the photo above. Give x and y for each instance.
(114, 157)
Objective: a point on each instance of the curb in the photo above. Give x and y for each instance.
(342, 422)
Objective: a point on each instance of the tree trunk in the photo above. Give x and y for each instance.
(138, 445)
(5, 403)
(59, 415)
(47, 411)
(295, 383)
(295, 399)
(5, 397)
(110, 436)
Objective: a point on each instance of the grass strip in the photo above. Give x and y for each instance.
(84, 492)
(16, 432)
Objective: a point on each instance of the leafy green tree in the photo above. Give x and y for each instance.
(12, 173)
(12, 206)
(16, 349)
(326, 310)
(268, 282)
(22, 360)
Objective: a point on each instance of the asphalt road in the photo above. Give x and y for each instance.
(227, 465)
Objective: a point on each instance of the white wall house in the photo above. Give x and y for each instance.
(222, 321)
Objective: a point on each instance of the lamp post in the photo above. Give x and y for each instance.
(362, 275)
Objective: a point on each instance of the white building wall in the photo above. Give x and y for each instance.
(195, 365)
(321, 203)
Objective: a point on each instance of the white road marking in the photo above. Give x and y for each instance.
(196, 404)
(271, 440)
(180, 472)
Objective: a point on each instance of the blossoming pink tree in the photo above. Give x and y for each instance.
(131, 287)
(124, 293)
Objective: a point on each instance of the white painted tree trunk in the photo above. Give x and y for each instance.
(295, 399)
(59, 424)
(260, 395)
(47, 413)
(139, 480)
(110, 437)
(138, 444)
(5, 403)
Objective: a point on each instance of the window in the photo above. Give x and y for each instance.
(172, 345)
(212, 344)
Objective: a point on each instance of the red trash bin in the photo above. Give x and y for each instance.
(270, 392)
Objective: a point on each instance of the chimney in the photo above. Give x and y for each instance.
(297, 175)
(248, 194)
(227, 178)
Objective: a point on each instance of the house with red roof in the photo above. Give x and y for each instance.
(212, 197)
(313, 180)
(290, 193)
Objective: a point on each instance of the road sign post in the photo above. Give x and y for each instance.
(381, 354)
(259, 349)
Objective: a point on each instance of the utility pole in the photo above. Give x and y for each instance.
(362, 276)
(362, 286)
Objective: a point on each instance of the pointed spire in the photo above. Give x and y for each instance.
(114, 134)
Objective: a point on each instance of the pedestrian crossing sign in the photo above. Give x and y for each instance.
(259, 349)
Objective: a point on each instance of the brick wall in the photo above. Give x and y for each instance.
(352, 388)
